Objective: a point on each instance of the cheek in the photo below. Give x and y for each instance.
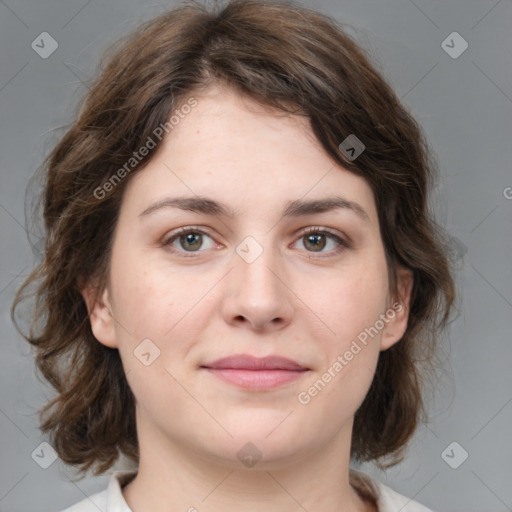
(152, 330)
(353, 302)
(352, 307)
(148, 299)
(156, 304)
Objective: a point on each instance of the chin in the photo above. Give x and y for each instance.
(263, 423)
(262, 446)
(259, 455)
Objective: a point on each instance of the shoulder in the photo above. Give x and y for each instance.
(109, 500)
(395, 501)
(93, 503)
(386, 499)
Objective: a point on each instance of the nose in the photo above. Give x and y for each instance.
(258, 293)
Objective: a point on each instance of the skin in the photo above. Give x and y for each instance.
(292, 300)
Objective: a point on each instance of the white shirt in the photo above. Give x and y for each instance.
(112, 500)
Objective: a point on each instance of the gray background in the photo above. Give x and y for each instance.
(465, 107)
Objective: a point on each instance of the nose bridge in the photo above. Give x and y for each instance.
(257, 292)
(256, 266)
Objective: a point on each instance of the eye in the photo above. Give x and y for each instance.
(191, 239)
(188, 239)
(316, 239)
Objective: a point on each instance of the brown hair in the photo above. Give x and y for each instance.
(289, 58)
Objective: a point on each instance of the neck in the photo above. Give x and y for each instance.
(173, 476)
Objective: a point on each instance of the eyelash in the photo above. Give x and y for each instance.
(342, 243)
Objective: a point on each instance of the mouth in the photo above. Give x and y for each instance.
(254, 373)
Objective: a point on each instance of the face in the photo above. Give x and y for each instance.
(260, 269)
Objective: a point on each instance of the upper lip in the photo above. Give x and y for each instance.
(247, 362)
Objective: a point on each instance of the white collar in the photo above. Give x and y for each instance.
(386, 499)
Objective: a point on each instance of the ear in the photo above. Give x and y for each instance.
(100, 315)
(397, 314)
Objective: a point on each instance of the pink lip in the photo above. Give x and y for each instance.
(256, 373)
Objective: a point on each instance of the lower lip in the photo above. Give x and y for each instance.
(257, 379)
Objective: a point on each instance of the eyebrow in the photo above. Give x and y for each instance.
(296, 208)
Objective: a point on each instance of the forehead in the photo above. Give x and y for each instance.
(242, 124)
(246, 155)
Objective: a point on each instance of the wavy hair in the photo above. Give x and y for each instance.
(286, 57)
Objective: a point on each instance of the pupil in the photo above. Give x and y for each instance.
(316, 244)
(189, 239)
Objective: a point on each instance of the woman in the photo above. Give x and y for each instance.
(241, 276)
